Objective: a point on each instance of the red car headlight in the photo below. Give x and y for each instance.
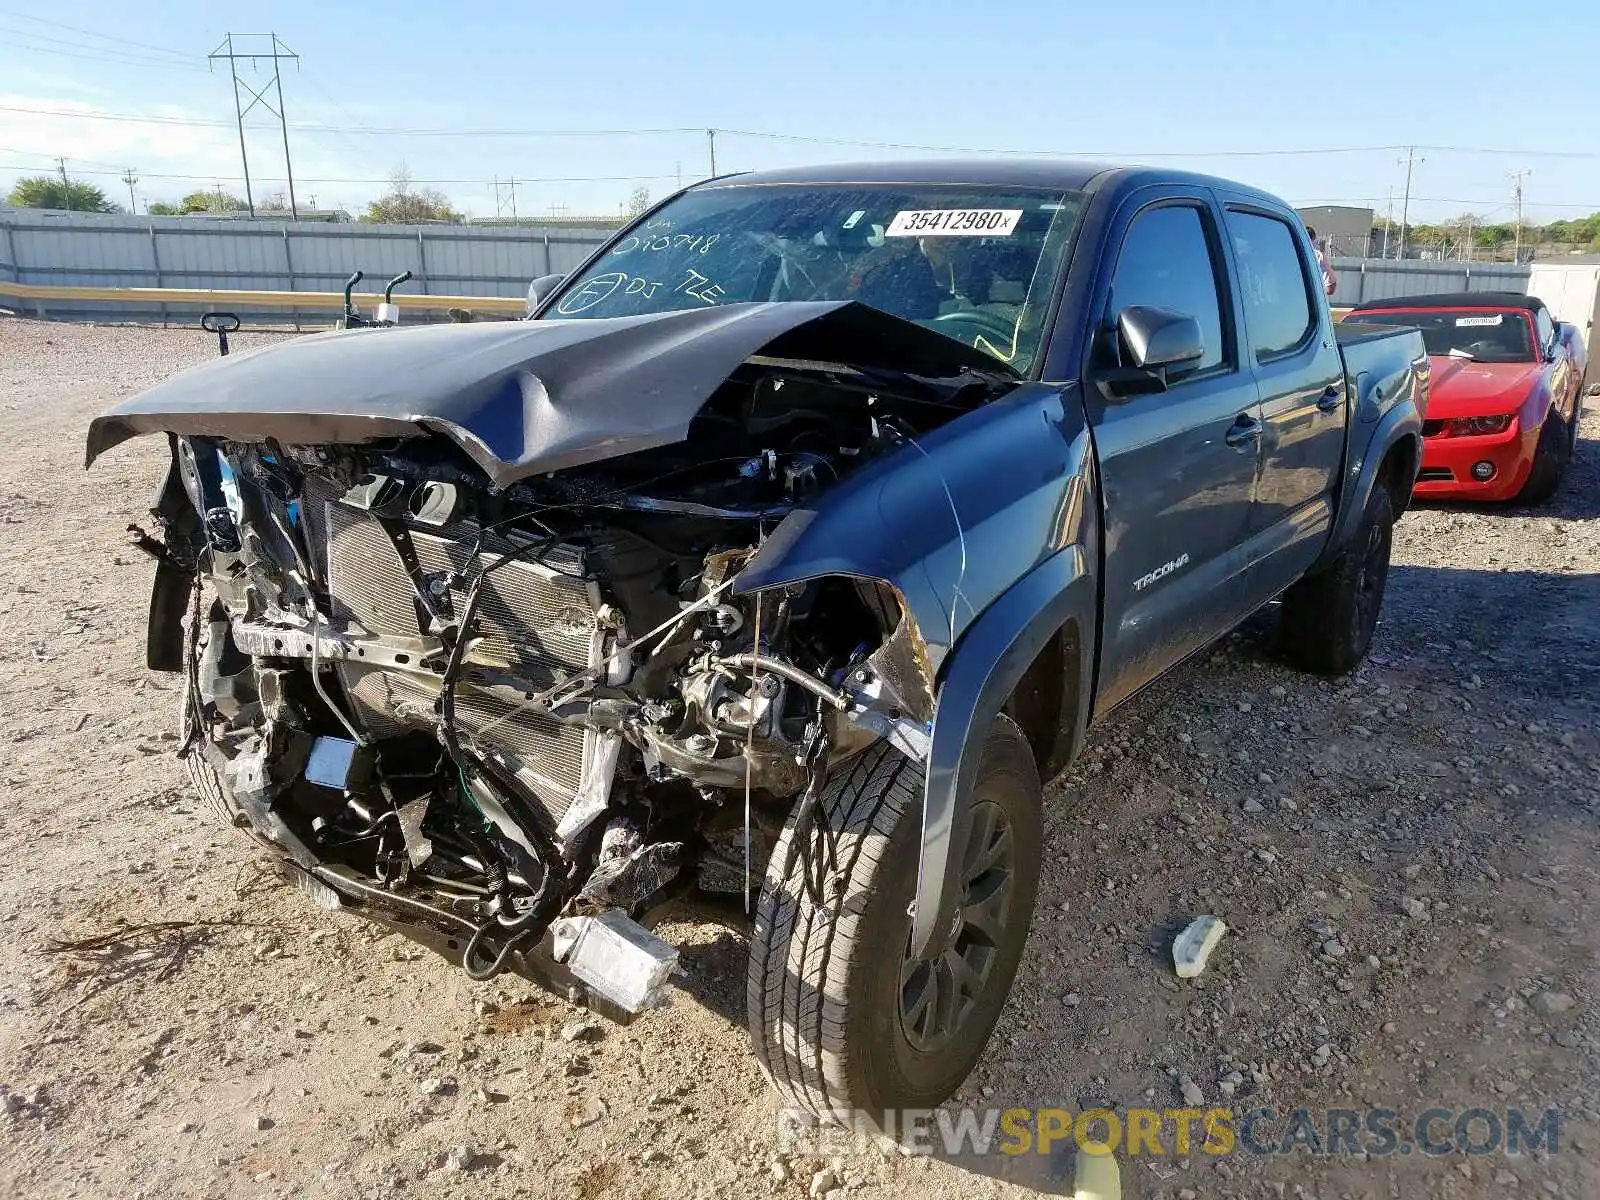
(1466, 426)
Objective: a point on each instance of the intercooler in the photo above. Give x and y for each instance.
(536, 625)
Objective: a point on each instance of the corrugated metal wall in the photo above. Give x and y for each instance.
(92, 249)
(1363, 279)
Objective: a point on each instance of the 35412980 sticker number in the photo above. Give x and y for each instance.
(954, 222)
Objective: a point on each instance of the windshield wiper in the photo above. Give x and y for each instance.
(1458, 352)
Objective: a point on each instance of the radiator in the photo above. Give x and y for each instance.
(536, 620)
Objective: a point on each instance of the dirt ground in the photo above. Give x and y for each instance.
(1407, 862)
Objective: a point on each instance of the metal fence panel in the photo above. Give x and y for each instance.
(109, 250)
(1362, 279)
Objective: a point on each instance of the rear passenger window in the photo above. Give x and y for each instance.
(1272, 282)
(1166, 262)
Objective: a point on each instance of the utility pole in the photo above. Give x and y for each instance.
(1405, 204)
(1516, 178)
(711, 144)
(66, 184)
(129, 178)
(1388, 223)
(274, 52)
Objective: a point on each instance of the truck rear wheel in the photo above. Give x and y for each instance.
(843, 1020)
(1328, 617)
(1550, 460)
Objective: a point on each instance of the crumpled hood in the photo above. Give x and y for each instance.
(1459, 387)
(523, 397)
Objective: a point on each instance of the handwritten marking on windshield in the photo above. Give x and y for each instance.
(603, 287)
(692, 243)
(592, 292)
(700, 287)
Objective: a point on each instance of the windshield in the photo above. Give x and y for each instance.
(975, 263)
(1488, 336)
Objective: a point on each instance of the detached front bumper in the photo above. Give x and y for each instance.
(1448, 464)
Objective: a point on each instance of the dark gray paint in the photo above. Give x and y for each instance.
(1019, 521)
(521, 398)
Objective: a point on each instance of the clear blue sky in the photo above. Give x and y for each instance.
(1163, 77)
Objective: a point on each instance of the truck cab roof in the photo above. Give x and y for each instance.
(997, 171)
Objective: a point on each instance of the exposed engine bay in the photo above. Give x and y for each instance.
(526, 717)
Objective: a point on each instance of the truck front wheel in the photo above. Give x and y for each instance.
(844, 1021)
(1329, 616)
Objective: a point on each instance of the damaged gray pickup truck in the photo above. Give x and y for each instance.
(766, 571)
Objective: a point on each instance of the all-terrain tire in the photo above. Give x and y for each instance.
(1328, 617)
(1550, 460)
(827, 984)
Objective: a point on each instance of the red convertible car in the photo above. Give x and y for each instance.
(1503, 410)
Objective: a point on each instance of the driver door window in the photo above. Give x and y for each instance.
(1166, 262)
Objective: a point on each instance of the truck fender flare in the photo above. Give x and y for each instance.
(978, 676)
(1400, 421)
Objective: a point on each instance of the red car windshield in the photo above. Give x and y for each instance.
(1485, 335)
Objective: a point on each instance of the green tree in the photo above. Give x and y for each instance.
(1495, 236)
(162, 209)
(48, 191)
(214, 201)
(403, 204)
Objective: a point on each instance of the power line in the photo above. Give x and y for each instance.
(767, 135)
(213, 177)
(1495, 204)
(106, 37)
(103, 58)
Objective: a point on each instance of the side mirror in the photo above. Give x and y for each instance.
(1159, 338)
(1158, 342)
(540, 290)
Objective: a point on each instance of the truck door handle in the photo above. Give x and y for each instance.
(1329, 400)
(1244, 430)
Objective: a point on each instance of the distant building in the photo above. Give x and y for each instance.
(1345, 232)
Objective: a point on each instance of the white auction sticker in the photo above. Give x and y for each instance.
(954, 222)
(1464, 322)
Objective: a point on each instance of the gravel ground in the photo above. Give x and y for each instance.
(1406, 860)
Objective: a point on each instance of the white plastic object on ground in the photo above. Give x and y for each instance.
(1194, 945)
(1096, 1177)
(617, 957)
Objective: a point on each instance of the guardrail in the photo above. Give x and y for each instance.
(38, 298)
